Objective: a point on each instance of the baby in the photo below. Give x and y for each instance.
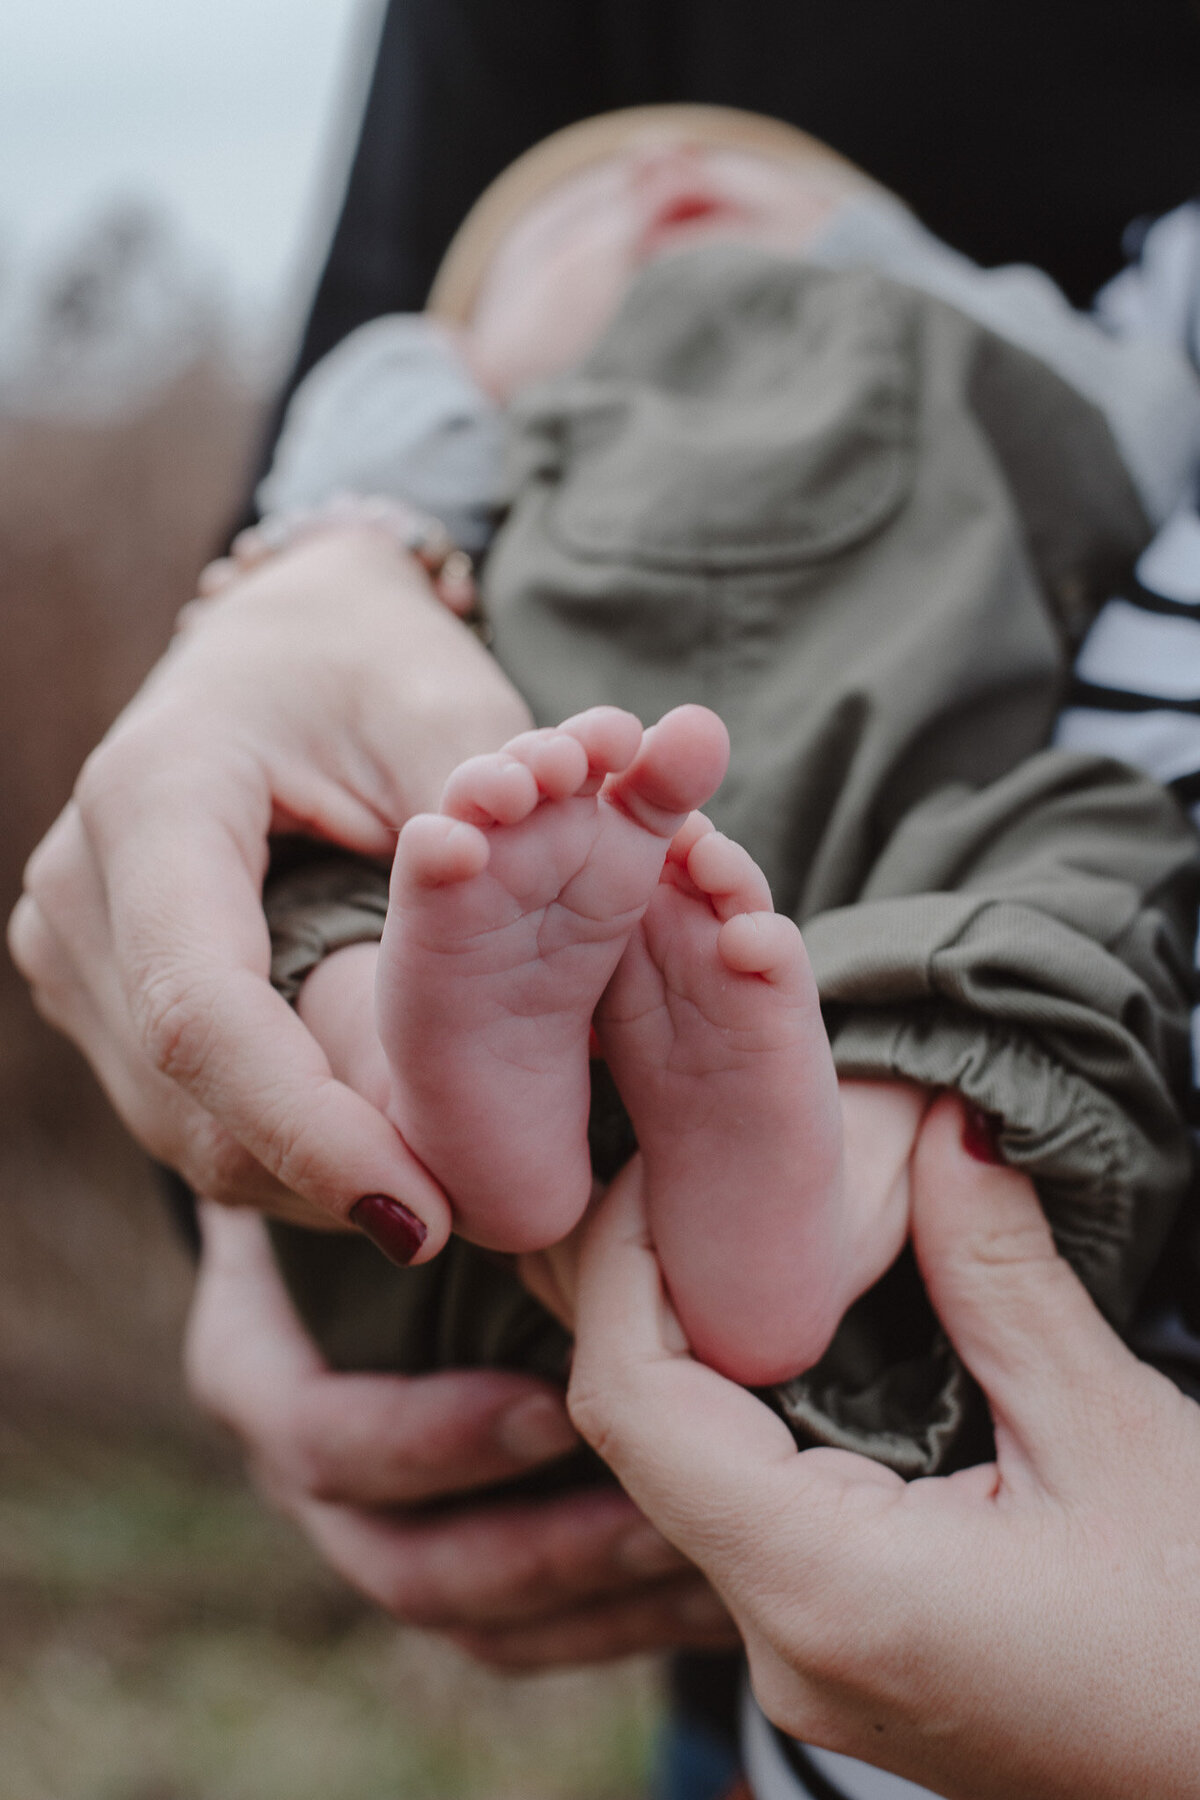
(862, 524)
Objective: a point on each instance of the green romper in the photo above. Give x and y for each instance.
(870, 535)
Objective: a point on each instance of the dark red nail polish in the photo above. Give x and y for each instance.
(979, 1135)
(390, 1226)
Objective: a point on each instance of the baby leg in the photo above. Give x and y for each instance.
(712, 1028)
(509, 911)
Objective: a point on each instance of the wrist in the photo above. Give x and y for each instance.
(407, 531)
(351, 557)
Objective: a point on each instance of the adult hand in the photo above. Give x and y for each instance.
(328, 693)
(577, 1578)
(1028, 1627)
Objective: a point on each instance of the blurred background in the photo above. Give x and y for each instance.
(164, 203)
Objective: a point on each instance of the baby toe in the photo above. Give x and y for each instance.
(557, 761)
(767, 944)
(694, 827)
(729, 876)
(681, 763)
(610, 739)
(434, 851)
(491, 790)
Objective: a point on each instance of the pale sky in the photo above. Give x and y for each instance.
(233, 113)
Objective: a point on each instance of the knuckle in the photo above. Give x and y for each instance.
(145, 762)
(1015, 1245)
(219, 1166)
(1002, 1265)
(286, 1149)
(38, 955)
(595, 1408)
(174, 1025)
(50, 868)
(30, 942)
(105, 770)
(55, 873)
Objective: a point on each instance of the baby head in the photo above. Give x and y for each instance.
(541, 263)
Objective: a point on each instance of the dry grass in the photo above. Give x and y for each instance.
(160, 1637)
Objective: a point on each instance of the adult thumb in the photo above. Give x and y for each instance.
(1013, 1309)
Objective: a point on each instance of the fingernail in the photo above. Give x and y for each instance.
(643, 1551)
(979, 1135)
(535, 1429)
(390, 1226)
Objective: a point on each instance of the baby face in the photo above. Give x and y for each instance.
(559, 275)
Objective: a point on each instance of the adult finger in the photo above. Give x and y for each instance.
(683, 1614)
(80, 1000)
(585, 1565)
(190, 938)
(244, 1343)
(496, 1566)
(1015, 1311)
(376, 1440)
(361, 1439)
(61, 940)
(690, 1447)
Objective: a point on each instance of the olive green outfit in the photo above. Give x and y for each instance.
(870, 535)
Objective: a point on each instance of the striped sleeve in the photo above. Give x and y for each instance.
(1136, 688)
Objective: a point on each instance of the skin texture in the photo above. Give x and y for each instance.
(1027, 1627)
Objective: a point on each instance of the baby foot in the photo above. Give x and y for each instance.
(509, 911)
(712, 1029)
